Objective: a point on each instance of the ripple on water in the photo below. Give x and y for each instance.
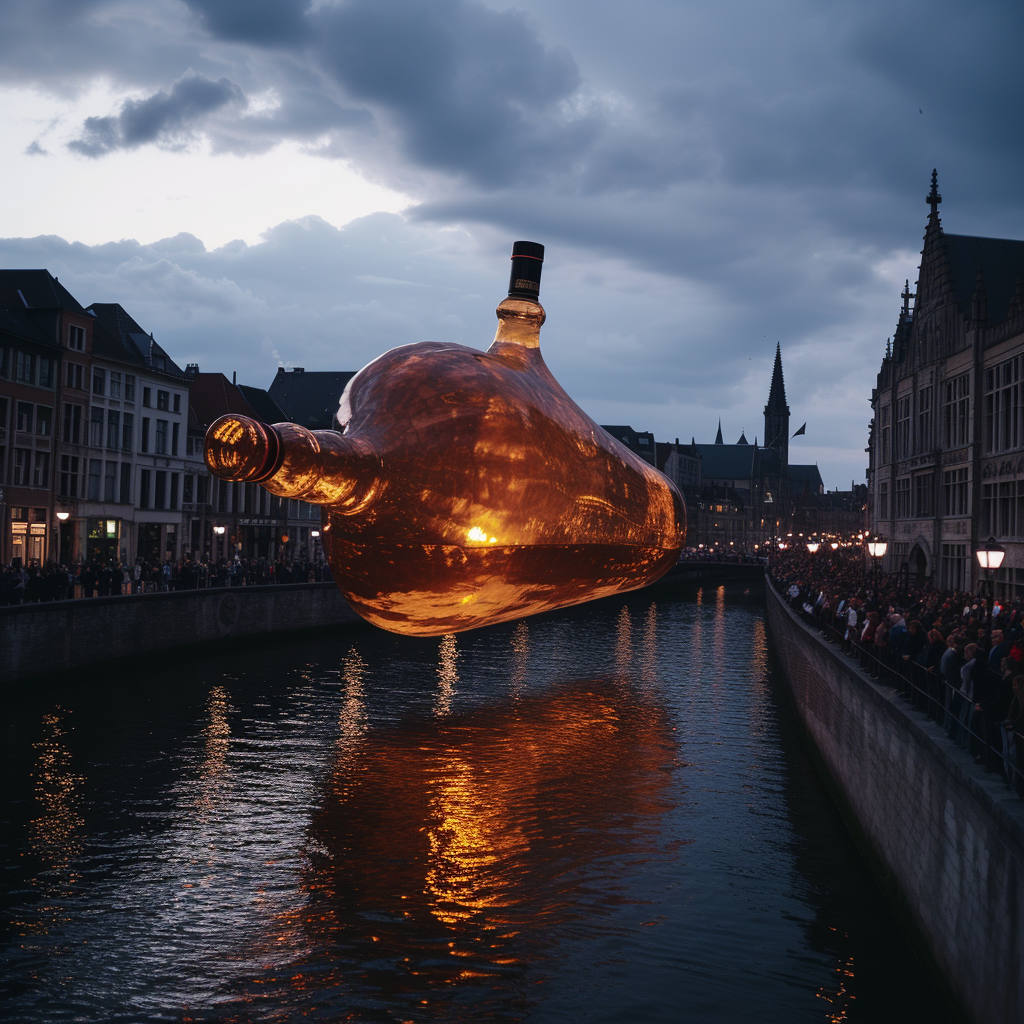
(604, 815)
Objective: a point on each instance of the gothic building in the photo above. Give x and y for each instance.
(750, 493)
(946, 451)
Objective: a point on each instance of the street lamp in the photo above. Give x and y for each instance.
(990, 557)
(813, 544)
(61, 517)
(876, 549)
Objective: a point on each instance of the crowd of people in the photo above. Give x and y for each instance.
(956, 658)
(19, 585)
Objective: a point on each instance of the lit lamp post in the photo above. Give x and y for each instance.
(219, 531)
(61, 518)
(876, 549)
(990, 557)
(813, 544)
(315, 534)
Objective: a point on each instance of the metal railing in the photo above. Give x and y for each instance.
(930, 693)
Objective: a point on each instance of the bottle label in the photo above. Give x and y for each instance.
(525, 285)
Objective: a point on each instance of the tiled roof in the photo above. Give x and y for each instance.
(212, 395)
(310, 398)
(265, 407)
(1000, 261)
(120, 337)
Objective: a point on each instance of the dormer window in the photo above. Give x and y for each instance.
(76, 338)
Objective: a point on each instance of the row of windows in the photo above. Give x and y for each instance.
(914, 497)
(113, 429)
(1003, 412)
(1002, 509)
(112, 384)
(28, 468)
(26, 367)
(29, 418)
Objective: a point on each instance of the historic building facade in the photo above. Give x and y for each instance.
(946, 451)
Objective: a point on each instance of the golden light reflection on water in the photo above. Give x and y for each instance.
(837, 995)
(447, 674)
(623, 643)
(471, 834)
(649, 648)
(520, 658)
(216, 745)
(56, 834)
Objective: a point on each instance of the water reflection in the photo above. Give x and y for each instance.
(455, 846)
(56, 833)
(520, 658)
(447, 674)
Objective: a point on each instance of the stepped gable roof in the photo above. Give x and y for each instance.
(266, 408)
(663, 449)
(212, 395)
(803, 478)
(118, 336)
(1000, 261)
(310, 398)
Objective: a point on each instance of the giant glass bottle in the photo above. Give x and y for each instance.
(466, 488)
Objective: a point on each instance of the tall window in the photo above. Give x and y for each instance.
(44, 420)
(113, 429)
(99, 379)
(129, 387)
(24, 367)
(1002, 406)
(163, 400)
(95, 476)
(924, 419)
(76, 338)
(956, 412)
(144, 488)
(74, 375)
(72, 433)
(125, 496)
(110, 482)
(69, 476)
(902, 510)
(902, 427)
(175, 429)
(22, 461)
(883, 500)
(26, 414)
(127, 423)
(954, 492)
(96, 427)
(954, 557)
(160, 447)
(115, 384)
(41, 472)
(144, 447)
(45, 372)
(884, 435)
(160, 496)
(923, 495)
(177, 403)
(174, 490)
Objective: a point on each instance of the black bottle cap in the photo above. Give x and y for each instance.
(527, 263)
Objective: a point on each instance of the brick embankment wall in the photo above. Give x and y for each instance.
(945, 838)
(62, 636)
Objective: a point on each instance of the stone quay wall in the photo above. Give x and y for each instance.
(945, 839)
(58, 637)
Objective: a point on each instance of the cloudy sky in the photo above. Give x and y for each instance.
(310, 182)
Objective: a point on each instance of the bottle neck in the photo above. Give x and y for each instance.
(519, 323)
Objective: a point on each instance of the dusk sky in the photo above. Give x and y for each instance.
(308, 182)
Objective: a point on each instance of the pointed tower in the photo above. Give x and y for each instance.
(718, 436)
(776, 414)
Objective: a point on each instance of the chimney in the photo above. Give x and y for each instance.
(191, 370)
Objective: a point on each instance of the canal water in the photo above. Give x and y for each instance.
(601, 815)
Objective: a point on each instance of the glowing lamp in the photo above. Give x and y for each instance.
(812, 546)
(990, 554)
(834, 545)
(314, 534)
(467, 487)
(63, 516)
(219, 530)
(877, 547)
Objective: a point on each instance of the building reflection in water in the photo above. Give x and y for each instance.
(454, 850)
(56, 833)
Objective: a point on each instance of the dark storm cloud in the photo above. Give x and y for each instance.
(165, 117)
(265, 22)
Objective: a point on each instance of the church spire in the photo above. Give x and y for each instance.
(776, 413)
(718, 436)
(933, 198)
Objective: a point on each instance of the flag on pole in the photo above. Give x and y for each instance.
(802, 430)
